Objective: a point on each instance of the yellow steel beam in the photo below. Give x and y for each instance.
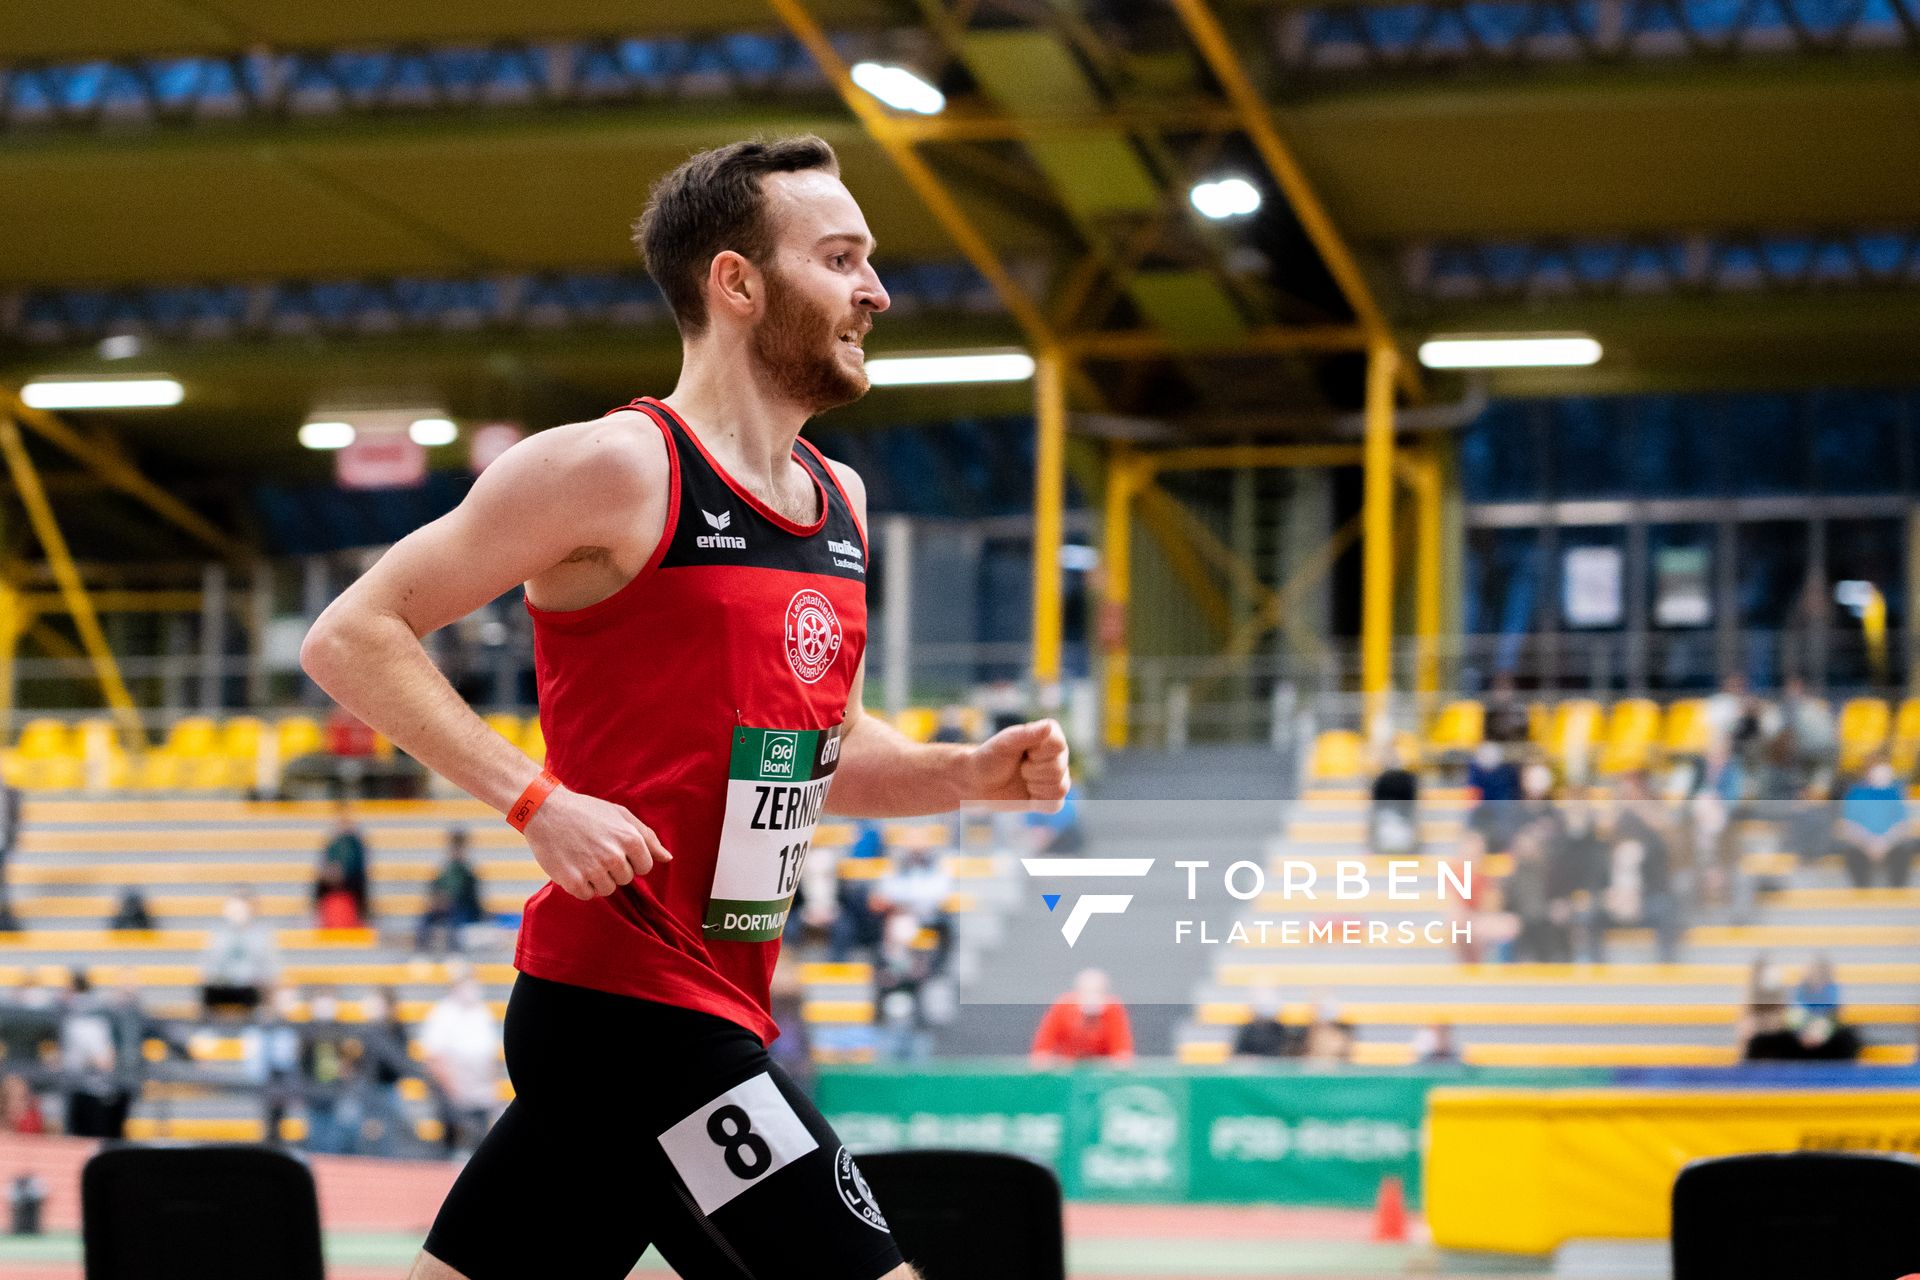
(40, 514)
(117, 473)
(1133, 344)
(886, 130)
(960, 126)
(14, 617)
(1237, 571)
(1049, 497)
(1116, 553)
(1226, 457)
(1376, 607)
(1255, 117)
(120, 601)
(1421, 471)
(1157, 512)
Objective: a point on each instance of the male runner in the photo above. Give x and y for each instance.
(696, 577)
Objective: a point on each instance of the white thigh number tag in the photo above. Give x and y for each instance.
(776, 785)
(745, 1134)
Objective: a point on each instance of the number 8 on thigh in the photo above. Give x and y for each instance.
(732, 1142)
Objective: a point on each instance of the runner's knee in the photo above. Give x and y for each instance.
(428, 1267)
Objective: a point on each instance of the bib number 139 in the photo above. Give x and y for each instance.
(777, 783)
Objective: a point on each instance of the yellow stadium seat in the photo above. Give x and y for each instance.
(1460, 726)
(506, 724)
(240, 738)
(1539, 722)
(45, 739)
(1864, 724)
(1338, 754)
(194, 736)
(918, 723)
(1687, 731)
(1906, 736)
(1633, 727)
(1575, 725)
(533, 739)
(298, 736)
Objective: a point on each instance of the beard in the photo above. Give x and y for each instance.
(799, 347)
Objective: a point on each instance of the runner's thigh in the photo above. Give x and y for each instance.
(539, 1199)
(762, 1188)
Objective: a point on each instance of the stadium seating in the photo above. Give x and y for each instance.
(1864, 726)
(1459, 727)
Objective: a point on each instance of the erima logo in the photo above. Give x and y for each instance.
(1092, 904)
(719, 541)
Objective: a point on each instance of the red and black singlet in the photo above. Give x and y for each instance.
(706, 695)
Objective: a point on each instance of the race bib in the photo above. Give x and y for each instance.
(734, 1141)
(776, 786)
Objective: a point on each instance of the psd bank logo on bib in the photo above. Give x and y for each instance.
(779, 753)
(813, 634)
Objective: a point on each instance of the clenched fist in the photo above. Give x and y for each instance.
(590, 847)
(1025, 766)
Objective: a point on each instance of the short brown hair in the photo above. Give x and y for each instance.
(711, 203)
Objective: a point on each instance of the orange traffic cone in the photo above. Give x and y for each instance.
(1390, 1211)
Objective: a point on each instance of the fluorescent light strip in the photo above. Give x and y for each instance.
(327, 435)
(431, 432)
(899, 88)
(106, 393)
(1508, 353)
(909, 371)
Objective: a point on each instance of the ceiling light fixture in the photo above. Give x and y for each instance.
(1225, 198)
(327, 435)
(432, 432)
(899, 88)
(1532, 352)
(980, 366)
(102, 393)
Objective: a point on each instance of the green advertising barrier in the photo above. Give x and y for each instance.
(1272, 1135)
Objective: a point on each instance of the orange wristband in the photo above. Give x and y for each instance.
(530, 800)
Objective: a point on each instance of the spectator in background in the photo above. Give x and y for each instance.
(1505, 720)
(1810, 740)
(387, 1063)
(919, 886)
(19, 1106)
(1330, 1039)
(1818, 994)
(856, 925)
(461, 1042)
(1264, 1035)
(1496, 786)
(1393, 826)
(271, 1057)
(97, 1100)
(1875, 835)
(1542, 932)
(1087, 1022)
(329, 1063)
(952, 726)
(131, 915)
(1434, 1045)
(346, 850)
(1639, 885)
(335, 906)
(9, 837)
(1577, 873)
(1735, 718)
(242, 958)
(453, 897)
(793, 1048)
(1781, 1030)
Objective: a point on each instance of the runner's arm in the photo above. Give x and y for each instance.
(579, 489)
(885, 774)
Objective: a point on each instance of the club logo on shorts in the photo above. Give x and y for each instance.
(855, 1193)
(813, 635)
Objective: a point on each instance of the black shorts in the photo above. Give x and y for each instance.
(637, 1123)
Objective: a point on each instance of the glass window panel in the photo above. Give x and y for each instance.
(1499, 457)
(1776, 602)
(1674, 446)
(1856, 441)
(1867, 601)
(1762, 446)
(1592, 451)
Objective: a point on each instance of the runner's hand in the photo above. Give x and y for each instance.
(590, 847)
(1024, 765)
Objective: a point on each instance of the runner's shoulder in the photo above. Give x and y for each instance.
(851, 483)
(618, 458)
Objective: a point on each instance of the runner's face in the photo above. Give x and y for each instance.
(822, 292)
